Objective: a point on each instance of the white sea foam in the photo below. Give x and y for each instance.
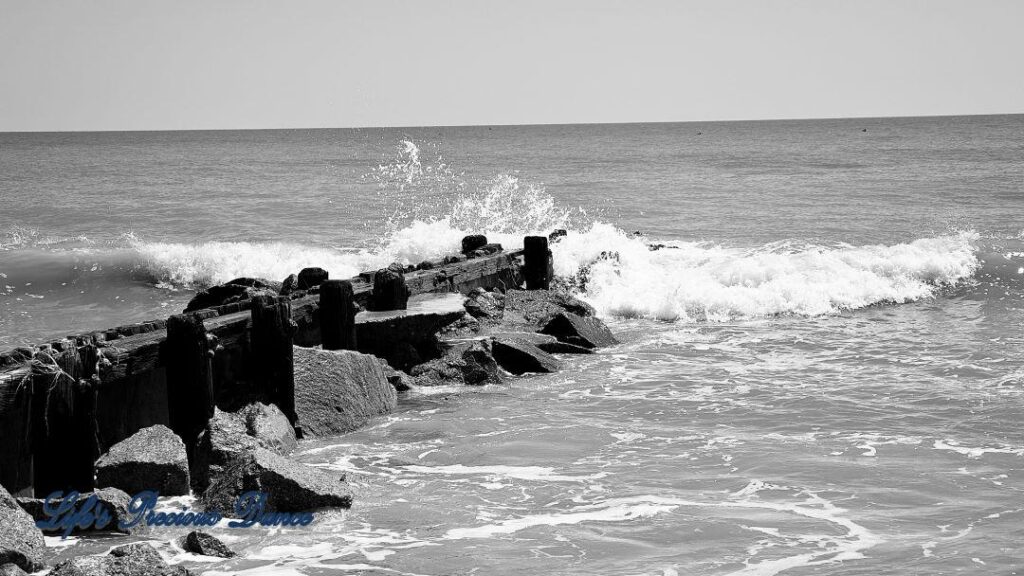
(617, 272)
(703, 281)
(975, 452)
(535, 473)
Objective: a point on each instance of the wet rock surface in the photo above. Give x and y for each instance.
(520, 357)
(231, 435)
(289, 486)
(21, 543)
(205, 544)
(337, 391)
(235, 290)
(269, 426)
(153, 458)
(582, 331)
(114, 501)
(139, 559)
(469, 362)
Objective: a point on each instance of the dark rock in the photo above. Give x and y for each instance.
(11, 570)
(536, 307)
(398, 379)
(454, 259)
(587, 332)
(545, 342)
(21, 543)
(338, 391)
(557, 235)
(139, 559)
(151, 459)
(485, 304)
(290, 284)
(558, 347)
(229, 435)
(257, 283)
(113, 500)
(470, 363)
(519, 356)
(389, 334)
(486, 250)
(237, 290)
(269, 426)
(204, 544)
(464, 327)
(310, 277)
(472, 242)
(289, 486)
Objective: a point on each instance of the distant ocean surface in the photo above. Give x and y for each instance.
(822, 372)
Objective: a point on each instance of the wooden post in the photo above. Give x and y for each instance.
(271, 344)
(337, 315)
(187, 356)
(538, 268)
(389, 289)
(64, 432)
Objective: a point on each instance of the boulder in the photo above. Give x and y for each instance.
(139, 559)
(472, 242)
(486, 250)
(583, 331)
(113, 500)
(394, 335)
(545, 342)
(310, 278)
(151, 459)
(337, 391)
(484, 304)
(11, 570)
(269, 426)
(470, 363)
(289, 285)
(519, 356)
(535, 307)
(21, 543)
(398, 379)
(235, 290)
(204, 544)
(229, 435)
(289, 486)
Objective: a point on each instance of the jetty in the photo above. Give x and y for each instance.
(66, 402)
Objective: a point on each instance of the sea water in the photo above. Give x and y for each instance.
(821, 368)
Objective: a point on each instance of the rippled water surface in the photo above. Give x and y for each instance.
(821, 373)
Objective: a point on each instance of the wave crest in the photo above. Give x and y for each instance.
(690, 281)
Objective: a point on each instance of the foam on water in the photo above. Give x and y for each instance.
(691, 281)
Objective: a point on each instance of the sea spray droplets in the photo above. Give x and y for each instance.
(691, 281)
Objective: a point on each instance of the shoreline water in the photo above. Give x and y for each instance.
(853, 345)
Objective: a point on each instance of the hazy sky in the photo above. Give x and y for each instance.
(138, 64)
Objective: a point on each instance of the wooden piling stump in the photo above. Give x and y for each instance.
(538, 268)
(187, 355)
(389, 289)
(273, 372)
(337, 315)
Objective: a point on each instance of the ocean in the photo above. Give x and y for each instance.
(821, 369)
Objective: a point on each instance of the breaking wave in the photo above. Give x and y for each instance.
(696, 281)
(622, 274)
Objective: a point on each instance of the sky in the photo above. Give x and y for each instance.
(203, 64)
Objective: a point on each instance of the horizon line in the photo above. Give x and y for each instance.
(510, 125)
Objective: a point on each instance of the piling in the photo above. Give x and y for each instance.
(188, 355)
(337, 315)
(538, 268)
(389, 289)
(273, 372)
